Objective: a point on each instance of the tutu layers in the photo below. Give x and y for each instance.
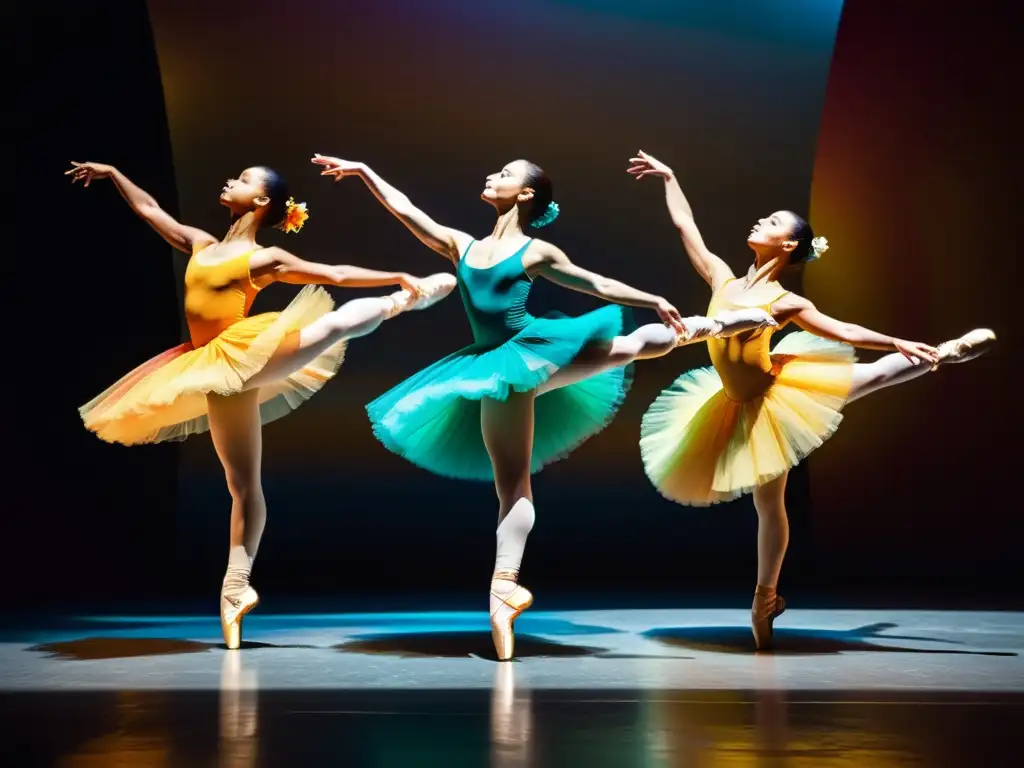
(165, 397)
(433, 418)
(701, 447)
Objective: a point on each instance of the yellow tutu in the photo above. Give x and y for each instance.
(700, 446)
(165, 398)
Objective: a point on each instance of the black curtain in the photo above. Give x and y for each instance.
(90, 293)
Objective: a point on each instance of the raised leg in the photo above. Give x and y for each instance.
(235, 429)
(508, 434)
(895, 368)
(884, 372)
(653, 340)
(647, 341)
(351, 320)
(772, 541)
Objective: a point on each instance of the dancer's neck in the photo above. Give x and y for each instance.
(508, 226)
(768, 272)
(243, 229)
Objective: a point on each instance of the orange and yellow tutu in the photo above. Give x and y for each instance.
(718, 433)
(165, 398)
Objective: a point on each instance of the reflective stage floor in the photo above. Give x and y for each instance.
(595, 688)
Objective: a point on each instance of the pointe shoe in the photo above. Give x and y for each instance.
(433, 288)
(232, 610)
(504, 615)
(768, 606)
(969, 346)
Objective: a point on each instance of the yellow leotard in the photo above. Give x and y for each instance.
(720, 432)
(166, 397)
(744, 361)
(217, 295)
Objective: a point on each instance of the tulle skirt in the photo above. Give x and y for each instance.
(433, 418)
(699, 447)
(165, 398)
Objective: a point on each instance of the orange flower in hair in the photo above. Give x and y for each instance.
(295, 216)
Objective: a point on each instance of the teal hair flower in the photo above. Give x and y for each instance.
(549, 215)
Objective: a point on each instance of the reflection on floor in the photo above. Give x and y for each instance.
(683, 650)
(617, 688)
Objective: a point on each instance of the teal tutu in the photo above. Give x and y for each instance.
(433, 418)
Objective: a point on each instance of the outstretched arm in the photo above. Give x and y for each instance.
(170, 229)
(808, 317)
(708, 265)
(546, 260)
(278, 265)
(449, 242)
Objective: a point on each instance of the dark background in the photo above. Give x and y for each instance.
(909, 177)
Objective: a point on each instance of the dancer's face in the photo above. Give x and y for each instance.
(772, 236)
(507, 187)
(246, 193)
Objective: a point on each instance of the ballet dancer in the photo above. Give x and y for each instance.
(528, 390)
(739, 427)
(239, 371)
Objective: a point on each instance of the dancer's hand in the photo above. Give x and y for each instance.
(645, 165)
(670, 316)
(88, 172)
(410, 284)
(336, 167)
(915, 351)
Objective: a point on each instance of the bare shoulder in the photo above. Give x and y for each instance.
(460, 244)
(790, 304)
(542, 252)
(201, 240)
(267, 261)
(539, 256)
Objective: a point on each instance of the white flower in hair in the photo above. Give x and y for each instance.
(818, 246)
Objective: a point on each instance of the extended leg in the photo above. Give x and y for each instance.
(647, 341)
(652, 340)
(351, 320)
(895, 368)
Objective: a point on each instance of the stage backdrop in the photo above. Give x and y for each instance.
(916, 187)
(435, 96)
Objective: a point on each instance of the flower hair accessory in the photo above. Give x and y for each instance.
(295, 215)
(818, 246)
(549, 215)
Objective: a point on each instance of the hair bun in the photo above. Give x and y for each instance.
(549, 215)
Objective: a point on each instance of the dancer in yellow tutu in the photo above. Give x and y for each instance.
(238, 372)
(740, 426)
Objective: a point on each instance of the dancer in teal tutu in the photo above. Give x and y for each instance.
(529, 389)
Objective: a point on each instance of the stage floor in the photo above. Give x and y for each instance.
(589, 688)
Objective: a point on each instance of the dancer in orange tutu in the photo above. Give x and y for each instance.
(239, 372)
(740, 426)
